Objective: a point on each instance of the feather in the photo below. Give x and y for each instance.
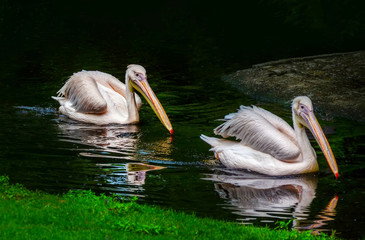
(262, 131)
(82, 91)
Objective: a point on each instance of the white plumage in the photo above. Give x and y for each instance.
(267, 144)
(95, 97)
(99, 98)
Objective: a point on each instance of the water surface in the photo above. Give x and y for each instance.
(185, 62)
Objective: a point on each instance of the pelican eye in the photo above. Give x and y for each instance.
(138, 76)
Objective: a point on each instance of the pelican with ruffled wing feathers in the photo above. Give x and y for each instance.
(99, 98)
(268, 144)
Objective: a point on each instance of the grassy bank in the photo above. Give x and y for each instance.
(26, 214)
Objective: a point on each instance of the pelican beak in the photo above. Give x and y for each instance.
(144, 88)
(317, 132)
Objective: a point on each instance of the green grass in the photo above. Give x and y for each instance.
(26, 214)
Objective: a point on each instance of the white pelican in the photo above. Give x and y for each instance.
(99, 98)
(268, 144)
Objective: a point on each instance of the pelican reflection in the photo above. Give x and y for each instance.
(267, 199)
(115, 141)
(110, 141)
(117, 144)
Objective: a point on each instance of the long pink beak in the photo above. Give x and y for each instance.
(321, 139)
(144, 88)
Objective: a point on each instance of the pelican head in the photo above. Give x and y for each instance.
(136, 78)
(303, 116)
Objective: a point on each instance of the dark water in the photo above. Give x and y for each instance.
(186, 48)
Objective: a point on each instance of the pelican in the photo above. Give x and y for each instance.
(99, 98)
(268, 145)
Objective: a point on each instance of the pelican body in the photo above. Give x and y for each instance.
(268, 145)
(99, 98)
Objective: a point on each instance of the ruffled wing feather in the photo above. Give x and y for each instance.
(262, 131)
(82, 92)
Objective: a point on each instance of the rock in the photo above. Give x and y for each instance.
(334, 82)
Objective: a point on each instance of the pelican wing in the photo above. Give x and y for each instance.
(83, 92)
(262, 131)
(113, 83)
